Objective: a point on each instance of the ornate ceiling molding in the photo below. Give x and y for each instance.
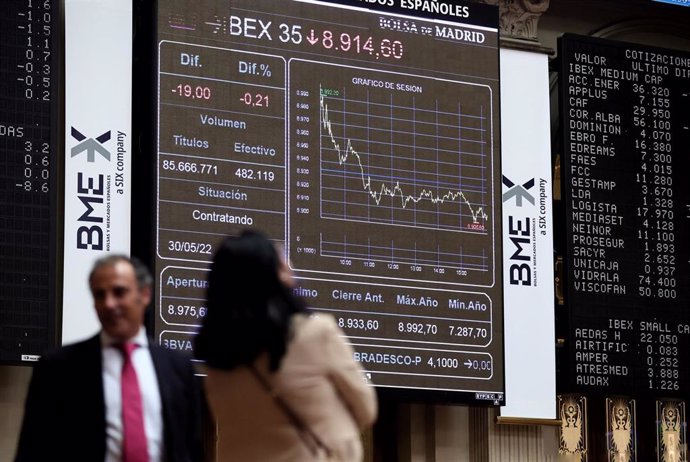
(518, 22)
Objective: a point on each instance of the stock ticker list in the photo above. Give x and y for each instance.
(365, 140)
(626, 141)
(28, 137)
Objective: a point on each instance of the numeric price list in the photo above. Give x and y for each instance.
(28, 138)
(626, 138)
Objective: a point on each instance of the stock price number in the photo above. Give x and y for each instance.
(190, 167)
(192, 91)
(344, 42)
(251, 174)
(663, 339)
(468, 331)
(483, 365)
(417, 328)
(357, 44)
(254, 100)
(665, 382)
(442, 362)
(190, 311)
(358, 324)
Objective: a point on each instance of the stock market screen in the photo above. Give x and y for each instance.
(626, 137)
(362, 135)
(28, 143)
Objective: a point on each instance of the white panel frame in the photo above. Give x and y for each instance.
(98, 95)
(529, 297)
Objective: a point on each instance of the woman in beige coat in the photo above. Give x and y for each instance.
(282, 384)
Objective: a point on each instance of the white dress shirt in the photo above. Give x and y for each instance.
(150, 397)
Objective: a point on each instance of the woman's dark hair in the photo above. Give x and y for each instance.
(248, 308)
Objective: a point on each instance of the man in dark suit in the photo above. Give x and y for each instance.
(74, 407)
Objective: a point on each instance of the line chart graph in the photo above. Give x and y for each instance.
(393, 172)
(409, 166)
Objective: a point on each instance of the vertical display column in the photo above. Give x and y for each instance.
(28, 110)
(627, 133)
(656, 220)
(221, 167)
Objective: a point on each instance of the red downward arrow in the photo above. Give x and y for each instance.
(312, 38)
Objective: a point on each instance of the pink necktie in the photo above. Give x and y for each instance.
(133, 435)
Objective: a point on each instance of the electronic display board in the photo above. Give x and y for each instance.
(28, 142)
(364, 136)
(626, 132)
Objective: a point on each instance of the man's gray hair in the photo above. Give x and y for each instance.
(141, 272)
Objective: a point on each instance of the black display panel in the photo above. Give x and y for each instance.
(28, 143)
(626, 133)
(365, 139)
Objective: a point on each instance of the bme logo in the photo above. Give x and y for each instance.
(90, 146)
(90, 191)
(519, 192)
(519, 231)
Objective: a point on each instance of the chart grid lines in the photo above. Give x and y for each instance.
(343, 163)
(391, 253)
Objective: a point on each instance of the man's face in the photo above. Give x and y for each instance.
(119, 302)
